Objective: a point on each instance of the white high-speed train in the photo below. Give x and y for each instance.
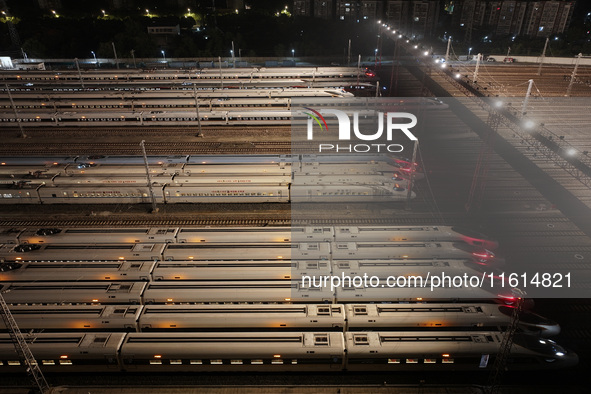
(282, 351)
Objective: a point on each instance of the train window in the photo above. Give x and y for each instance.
(294, 361)
(429, 361)
(360, 340)
(324, 310)
(65, 362)
(321, 339)
(276, 361)
(236, 362)
(360, 310)
(10, 362)
(412, 361)
(48, 362)
(155, 362)
(196, 362)
(100, 339)
(176, 362)
(257, 361)
(447, 361)
(216, 362)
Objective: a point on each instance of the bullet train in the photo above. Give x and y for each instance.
(248, 234)
(273, 178)
(284, 317)
(253, 73)
(282, 351)
(205, 100)
(296, 250)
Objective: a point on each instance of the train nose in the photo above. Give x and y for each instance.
(549, 330)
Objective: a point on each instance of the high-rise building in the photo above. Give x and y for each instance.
(352, 10)
(302, 8)
(415, 18)
(323, 9)
(505, 17)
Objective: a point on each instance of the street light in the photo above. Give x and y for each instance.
(104, 13)
(293, 53)
(163, 55)
(469, 52)
(93, 55)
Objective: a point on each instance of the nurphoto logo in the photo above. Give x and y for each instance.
(393, 123)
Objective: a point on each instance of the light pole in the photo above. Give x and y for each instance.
(469, 52)
(163, 56)
(293, 54)
(233, 57)
(93, 55)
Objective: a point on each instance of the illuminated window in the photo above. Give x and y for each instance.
(65, 362)
(393, 361)
(257, 361)
(196, 362)
(412, 361)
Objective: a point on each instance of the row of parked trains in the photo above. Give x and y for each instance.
(355, 79)
(202, 179)
(170, 75)
(187, 265)
(277, 112)
(236, 302)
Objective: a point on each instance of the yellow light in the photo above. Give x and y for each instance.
(405, 256)
(95, 300)
(64, 356)
(277, 355)
(191, 257)
(279, 257)
(169, 299)
(55, 164)
(287, 299)
(3, 163)
(420, 299)
(157, 356)
(121, 258)
(445, 354)
(19, 258)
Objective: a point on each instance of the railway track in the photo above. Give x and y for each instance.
(153, 148)
(184, 221)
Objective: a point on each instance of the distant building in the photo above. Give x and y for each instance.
(50, 4)
(416, 18)
(350, 10)
(505, 17)
(164, 30)
(323, 9)
(302, 8)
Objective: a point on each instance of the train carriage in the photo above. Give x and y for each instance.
(269, 351)
(82, 252)
(65, 293)
(59, 352)
(68, 318)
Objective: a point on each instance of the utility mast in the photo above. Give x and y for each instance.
(505, 348)
(14, 38)
(22, 349)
